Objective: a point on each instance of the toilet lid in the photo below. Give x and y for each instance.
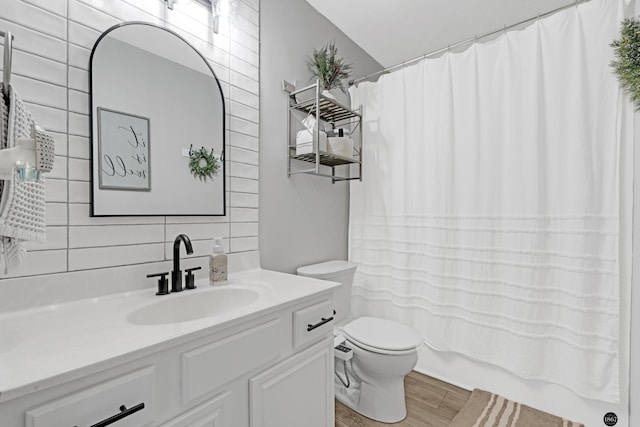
(382, 334)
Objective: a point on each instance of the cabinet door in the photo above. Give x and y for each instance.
(212, 413)
(296, 392)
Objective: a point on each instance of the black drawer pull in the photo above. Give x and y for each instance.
(124, 412)
(311, 327)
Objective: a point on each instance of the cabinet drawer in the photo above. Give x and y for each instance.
(98, 403)
(312, 323)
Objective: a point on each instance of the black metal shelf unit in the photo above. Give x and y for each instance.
(311, 114)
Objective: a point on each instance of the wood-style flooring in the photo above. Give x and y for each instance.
(430, 403)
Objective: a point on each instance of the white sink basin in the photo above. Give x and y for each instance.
(193, 305)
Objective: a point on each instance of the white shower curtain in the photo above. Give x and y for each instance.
(488, 215)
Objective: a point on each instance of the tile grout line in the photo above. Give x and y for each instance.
(166, 229)
(68, 130)
(27, 28)
(37, 6)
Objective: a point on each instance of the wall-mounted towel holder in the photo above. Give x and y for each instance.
(30, 156)
(22, 157)
(24, 151)
(6, 70)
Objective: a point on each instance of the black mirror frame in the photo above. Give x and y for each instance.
(91, 114)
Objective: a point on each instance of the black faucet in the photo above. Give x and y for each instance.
(176, 274)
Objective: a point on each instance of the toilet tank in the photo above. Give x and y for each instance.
(335, 271)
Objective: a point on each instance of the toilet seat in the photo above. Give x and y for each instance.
(379, 350)
(382, 336)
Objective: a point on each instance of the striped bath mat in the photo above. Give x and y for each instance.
(486, 409)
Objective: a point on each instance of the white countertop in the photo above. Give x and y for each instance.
(47, 346)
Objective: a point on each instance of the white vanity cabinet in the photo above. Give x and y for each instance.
(262, 370)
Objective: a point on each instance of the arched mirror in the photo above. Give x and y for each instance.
(158, 126)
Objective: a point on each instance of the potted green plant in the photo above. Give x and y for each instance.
(627, 62)
(326, 66)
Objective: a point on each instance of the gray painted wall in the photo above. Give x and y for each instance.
(634, 357)
(303, 219)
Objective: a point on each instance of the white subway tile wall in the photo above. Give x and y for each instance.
(53, 41)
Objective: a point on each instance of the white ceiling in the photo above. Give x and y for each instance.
(394, 31)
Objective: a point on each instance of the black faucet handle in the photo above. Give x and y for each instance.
(190, 278)
(163, 282)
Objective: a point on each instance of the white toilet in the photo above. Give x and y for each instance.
(384, 351)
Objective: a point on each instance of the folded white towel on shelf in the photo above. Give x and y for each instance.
(304, 137)
(304, 149)
(304, 142)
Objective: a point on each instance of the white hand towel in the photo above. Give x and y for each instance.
(22, 204)
(305, 139)
(45, 150)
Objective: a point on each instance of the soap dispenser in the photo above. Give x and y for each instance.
(218, 263)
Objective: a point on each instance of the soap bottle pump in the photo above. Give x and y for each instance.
(218, 263)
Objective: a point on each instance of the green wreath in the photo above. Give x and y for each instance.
(203, 164)
(627, 63)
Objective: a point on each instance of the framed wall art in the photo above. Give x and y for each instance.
(123, 149)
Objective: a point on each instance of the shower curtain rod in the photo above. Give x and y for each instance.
(467, 41)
